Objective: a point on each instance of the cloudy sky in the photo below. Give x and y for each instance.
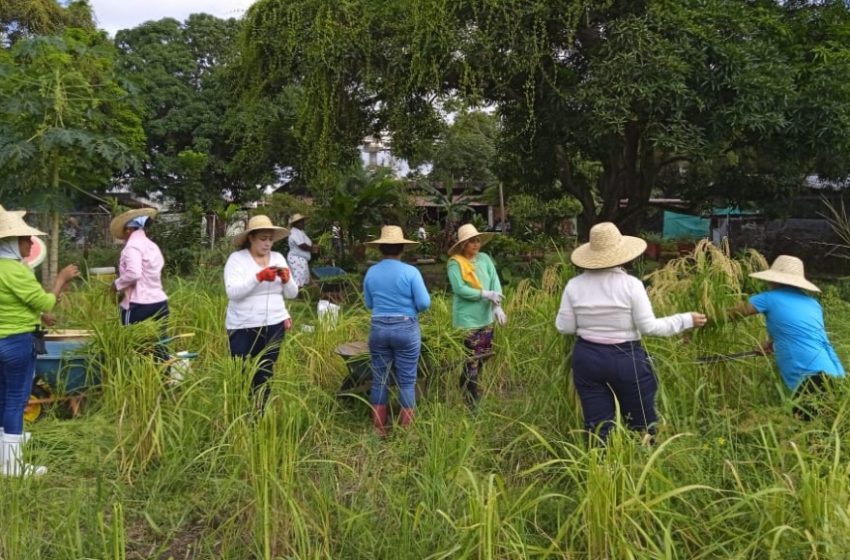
(113, 15)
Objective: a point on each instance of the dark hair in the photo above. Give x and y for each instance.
(390, 249)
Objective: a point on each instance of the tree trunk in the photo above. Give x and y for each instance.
(51, 267)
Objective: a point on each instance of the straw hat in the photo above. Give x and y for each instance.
(607, 248)
(786, 270)
(467, 232)
(296, 218)
(12, 224)
(116, 226)
(392, 235)
(259, 222)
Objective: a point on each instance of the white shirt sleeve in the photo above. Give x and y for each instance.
(289, 289)
(238, 281)
(645, 320)
(565, 321)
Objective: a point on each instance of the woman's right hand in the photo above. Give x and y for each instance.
(699, 319)
(68, 273)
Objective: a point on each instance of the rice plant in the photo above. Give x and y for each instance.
(152, 469)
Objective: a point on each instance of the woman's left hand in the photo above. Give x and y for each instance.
(287, 325)
(48, 319)
(500, 316)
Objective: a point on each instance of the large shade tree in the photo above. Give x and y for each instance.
(196, 129)
(606, 101)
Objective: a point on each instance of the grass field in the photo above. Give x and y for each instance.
(157, 471)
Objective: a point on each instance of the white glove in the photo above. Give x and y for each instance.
(495, 297)
(499, 313)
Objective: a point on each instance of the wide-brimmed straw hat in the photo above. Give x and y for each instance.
(392, 235)
(786, 270)
(467, 232)
(259, 222)
(607, 248)
(12, 224)
(116, 226)
(296, 218)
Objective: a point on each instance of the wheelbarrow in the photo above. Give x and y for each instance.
(66, 372)
(63, 374)
(359, 362)
(332, 281)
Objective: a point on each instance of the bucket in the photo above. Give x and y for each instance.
(105, 274)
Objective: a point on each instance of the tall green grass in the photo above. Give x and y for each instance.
(155, 470)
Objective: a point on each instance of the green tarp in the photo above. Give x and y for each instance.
(684, 226)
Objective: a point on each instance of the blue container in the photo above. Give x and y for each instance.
(64, 367)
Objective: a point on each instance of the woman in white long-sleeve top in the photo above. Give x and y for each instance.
(257, 280)
(609, 310)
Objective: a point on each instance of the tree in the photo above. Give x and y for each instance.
(182, 74)
(605, 101)
(363, 200)
(66, 124)
(20, 19)
(467, 152)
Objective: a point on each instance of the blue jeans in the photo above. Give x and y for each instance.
(608, 374)
(394, 343)
(17, 365)
(251, 342)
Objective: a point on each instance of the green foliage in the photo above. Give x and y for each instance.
(66, 123)
(21, 19)
(605, 101)
(467, 151)
(362, 201)
(531, 217)
(203, 144)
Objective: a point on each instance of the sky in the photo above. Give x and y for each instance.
(113, 15)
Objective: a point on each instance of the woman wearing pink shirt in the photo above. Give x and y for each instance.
(140, 268)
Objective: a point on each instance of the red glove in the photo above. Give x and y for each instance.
(284, 274)
(268, 274)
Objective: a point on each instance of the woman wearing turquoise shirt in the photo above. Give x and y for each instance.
(798, 339)
(476, 302)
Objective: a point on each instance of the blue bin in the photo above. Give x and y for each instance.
(65, 366)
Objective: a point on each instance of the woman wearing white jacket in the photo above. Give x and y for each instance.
(257, 280)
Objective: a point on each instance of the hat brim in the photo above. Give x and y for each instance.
(627, 250)
(296, 218)
(278, 234)
(485, 238)
(785, 279)
(401, 241)
(20, 228)
(116, 226)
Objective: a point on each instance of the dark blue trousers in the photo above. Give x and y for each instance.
(251, 342)
(139, 312)
(608, 374)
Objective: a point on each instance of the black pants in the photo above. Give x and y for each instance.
(139, 312)
(807, 395)
(252, 342)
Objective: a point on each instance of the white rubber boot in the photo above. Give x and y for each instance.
(12, 458)
(27, 436)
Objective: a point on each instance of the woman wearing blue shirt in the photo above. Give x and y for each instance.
(804, 355)
(396, 294)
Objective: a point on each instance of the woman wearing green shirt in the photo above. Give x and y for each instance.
(476, 303)
(22, 301)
